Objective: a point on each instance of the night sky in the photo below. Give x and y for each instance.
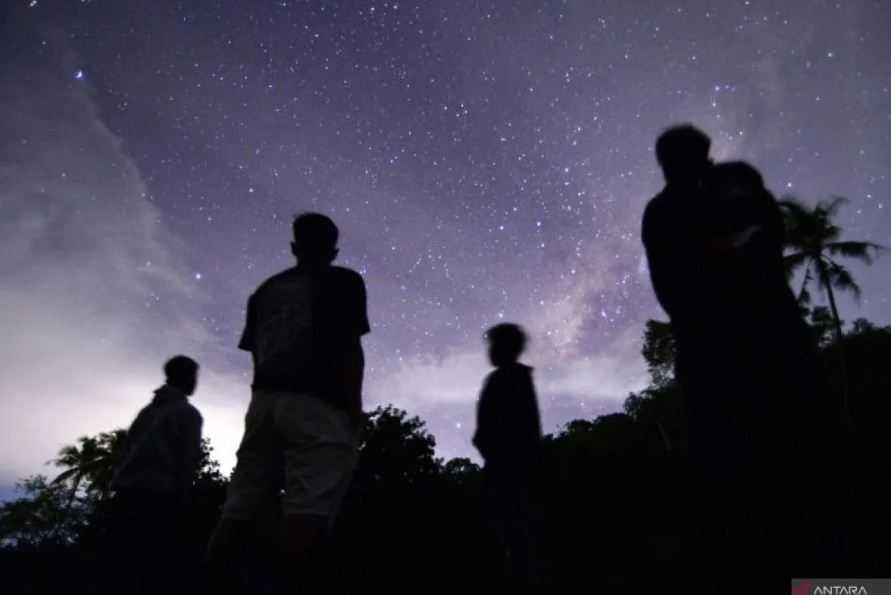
(485, 161)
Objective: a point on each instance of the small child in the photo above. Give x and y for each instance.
(508, 437)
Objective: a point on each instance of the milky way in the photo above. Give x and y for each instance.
(484, 161)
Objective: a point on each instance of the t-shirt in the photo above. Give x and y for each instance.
(676, 242)
(303, 329)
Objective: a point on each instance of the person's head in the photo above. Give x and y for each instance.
(181, 372)
(682, 153)
(506, 342)
(315, 239)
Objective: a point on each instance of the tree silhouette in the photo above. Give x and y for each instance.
(659, 405)
(659, 351)
(90, 464)
(812, 243)
(44, 518)
(395, 448)
(608, 483)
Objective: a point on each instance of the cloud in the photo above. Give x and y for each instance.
(93, 292)
(425, 382)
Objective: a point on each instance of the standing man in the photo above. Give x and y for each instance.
(754, 401)
(152, 485)
(508, 437)
(304, 329)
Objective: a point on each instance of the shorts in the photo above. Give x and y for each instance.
(297, 443)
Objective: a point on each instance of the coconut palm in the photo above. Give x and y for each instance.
(90, 463)
(812, 244)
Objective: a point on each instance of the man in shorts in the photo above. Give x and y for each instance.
(304, 329)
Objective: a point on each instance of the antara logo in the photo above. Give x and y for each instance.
(841, 590)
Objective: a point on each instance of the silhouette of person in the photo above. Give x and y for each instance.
(508, 437)
(304, 329)
(152, 484)
(751, 381)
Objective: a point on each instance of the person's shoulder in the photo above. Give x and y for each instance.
(345, 273)
(518, 370)
(193, 412)
(185, 410)
(656, 206)
(510, 372)
(271, 282)
(277, 278)
(147, 410)
(740, 168)
(346, 278)
(739, 173)
(659, 199)
(492, 378)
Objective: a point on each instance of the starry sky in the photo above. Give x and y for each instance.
(485, 161)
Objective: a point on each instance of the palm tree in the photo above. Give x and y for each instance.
(90, 463)
(812, 243)
(813, 239)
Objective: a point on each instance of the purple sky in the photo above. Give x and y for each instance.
(485, 162)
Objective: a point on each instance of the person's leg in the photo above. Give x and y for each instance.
(125, 545)
(253, 488)
(303, 553)
(320, 455)
(523, 562)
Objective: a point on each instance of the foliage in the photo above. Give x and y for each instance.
(91, 463)
(616, 484)
(72, 507)
(822, 325)
(659, 351)
(813, 246)
(43, 518)
(395, 449)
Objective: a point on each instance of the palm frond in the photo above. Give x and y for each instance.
(806, 227)
(66, 475)
(858, 250)
(793, 205)
(794, 261)
(829, 232)
(830, 207)
(841, 279)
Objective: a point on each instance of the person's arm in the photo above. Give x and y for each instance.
(663, 260)
(358, 326)
(720, 246)
(772, 220)
(535, 412)
(762, 240)
(361, 325)
(248, 341)
(188, 444)
(486, 422)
